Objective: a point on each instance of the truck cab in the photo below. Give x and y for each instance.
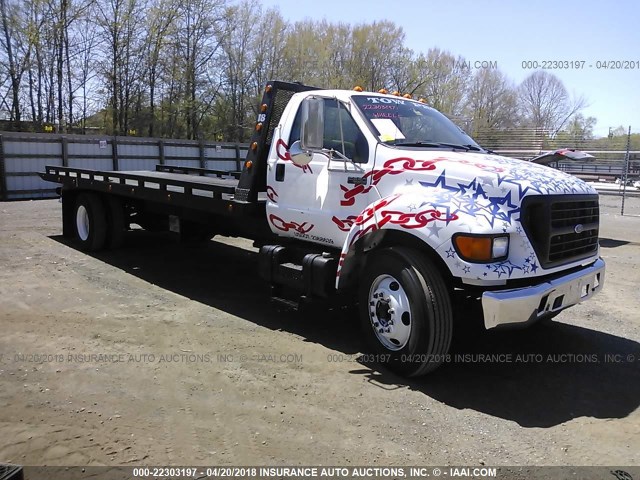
(366, 173)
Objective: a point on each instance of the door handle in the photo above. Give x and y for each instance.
(357, 180)
(280, 172)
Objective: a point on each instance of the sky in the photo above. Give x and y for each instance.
(511, 32)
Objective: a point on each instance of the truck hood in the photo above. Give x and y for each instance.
(481, 175)
(486, 190)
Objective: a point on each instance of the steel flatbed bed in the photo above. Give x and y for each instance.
(212, 191)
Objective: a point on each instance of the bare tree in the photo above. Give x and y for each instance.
(162, 19)
(11, 43)
(491, 100)
(198, 42)
(443, 80)
(122, 28)
(241, 63)
(546, 103)
(86, 55)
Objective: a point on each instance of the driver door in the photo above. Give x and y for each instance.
(319, 201)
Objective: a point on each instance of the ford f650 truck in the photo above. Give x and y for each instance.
(375, 199)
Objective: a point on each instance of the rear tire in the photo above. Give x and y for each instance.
(90, 222)
(405, 311)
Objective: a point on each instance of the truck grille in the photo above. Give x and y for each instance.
(562, 228)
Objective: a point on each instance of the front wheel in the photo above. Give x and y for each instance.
(405, 311)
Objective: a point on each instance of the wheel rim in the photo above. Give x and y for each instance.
(82, 222)
(389, 312)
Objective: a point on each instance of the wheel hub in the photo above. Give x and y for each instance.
(382, 311)
(390, 312)
(82, 222)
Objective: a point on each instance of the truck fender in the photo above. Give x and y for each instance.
(419, 215)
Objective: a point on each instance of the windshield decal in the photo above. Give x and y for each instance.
(388, 129)
(378, 100)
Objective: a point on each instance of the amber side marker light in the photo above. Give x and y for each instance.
(481, 248)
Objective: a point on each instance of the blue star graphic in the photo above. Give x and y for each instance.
(434, 230)
(450, 253)
(497, 205)
(505, 268)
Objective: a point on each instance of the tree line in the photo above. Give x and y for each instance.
(196, 69)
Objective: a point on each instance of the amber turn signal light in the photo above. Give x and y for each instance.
(481, 248)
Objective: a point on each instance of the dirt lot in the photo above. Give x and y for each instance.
(164, 354)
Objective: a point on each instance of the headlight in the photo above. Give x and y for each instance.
(481, 248)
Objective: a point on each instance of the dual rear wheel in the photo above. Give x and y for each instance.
(98, 223)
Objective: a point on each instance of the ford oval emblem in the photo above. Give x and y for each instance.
(579, 228)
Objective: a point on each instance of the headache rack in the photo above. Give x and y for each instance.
(562, 228)
(275, 98)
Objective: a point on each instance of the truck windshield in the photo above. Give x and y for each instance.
(399, 121)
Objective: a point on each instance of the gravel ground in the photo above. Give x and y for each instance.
(163, 354)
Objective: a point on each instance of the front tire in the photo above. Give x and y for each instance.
(90, 222)
(405, 311)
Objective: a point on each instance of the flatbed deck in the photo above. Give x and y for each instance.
(227, 185)
(209, 190)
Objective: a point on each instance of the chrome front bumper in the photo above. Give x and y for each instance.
(525, 305)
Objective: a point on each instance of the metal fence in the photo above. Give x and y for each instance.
(23, 155)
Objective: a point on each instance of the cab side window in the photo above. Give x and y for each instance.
(356, 147)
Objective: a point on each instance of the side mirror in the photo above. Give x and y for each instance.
(312, 128)
(299, 156)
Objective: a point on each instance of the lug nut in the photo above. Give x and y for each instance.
(392, 311)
